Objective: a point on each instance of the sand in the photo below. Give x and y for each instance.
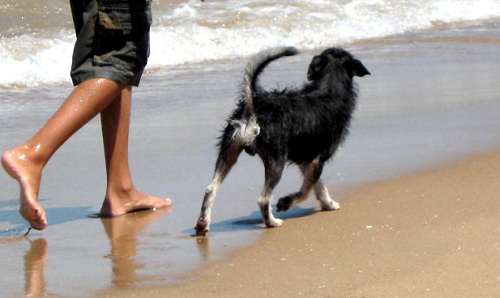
(433, 234)
(417, 180)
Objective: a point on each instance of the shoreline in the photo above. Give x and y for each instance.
(428, 107)
(432, 233)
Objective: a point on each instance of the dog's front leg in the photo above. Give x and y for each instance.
(264, 202)
(291, 200)
(272, 178)
(323, 196)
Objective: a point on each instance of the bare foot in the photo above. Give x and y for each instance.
(28, 175)
(134, 201)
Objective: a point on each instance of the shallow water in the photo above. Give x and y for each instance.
(432, 98)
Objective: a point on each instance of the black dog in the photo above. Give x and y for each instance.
(301, 126)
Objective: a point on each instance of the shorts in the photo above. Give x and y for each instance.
(112, 40)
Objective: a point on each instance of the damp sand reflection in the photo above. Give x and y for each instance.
(123, 234)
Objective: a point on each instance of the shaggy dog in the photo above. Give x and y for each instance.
(302, 126)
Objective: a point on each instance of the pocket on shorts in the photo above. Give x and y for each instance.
(124, 15)
(122, 30)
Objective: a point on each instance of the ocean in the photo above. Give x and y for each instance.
(37, 37)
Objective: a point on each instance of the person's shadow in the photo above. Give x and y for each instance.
(18, 226)
(122, 232)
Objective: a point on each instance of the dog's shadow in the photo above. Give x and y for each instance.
(254, 220)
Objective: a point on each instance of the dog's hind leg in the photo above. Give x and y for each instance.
(225, 161)
(273, 172)
(323, 196)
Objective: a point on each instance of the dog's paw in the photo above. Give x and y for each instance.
(201, 228)
(284, 204)
(274, 223)
(330, 205)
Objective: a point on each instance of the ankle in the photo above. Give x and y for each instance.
(121, 191)
(18, 164)
(26, 154)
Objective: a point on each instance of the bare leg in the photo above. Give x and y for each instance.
(121, 195)
(25, 163)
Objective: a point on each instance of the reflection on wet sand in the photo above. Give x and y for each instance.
(203, 245)
(34, 262)
(122, 232)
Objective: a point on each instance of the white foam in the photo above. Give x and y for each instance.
(222, 30)
(194, 32)
(30, 61)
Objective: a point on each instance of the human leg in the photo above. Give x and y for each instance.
(121, 195)
(25, 163)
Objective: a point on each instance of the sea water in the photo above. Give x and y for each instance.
(37, 37)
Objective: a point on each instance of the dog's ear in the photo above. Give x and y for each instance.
(356, 68)
(316, 67)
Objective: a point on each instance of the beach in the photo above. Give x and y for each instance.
(417, 180)
(432, 234)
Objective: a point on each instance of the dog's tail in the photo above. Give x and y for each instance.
(247, 128)
(254, 69)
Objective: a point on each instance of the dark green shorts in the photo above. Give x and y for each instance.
(112, 40)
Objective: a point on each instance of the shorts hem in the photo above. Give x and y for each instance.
(114, 76)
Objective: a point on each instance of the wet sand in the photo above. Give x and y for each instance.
(430, 106)
(434, 234)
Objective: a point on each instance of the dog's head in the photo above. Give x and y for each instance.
(335, 58)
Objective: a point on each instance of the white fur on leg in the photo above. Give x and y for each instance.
(264, 202)
(203, 223)
(273, 221)
(323, 196)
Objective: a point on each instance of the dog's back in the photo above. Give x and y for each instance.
(303, 124)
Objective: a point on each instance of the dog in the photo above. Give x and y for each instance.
(301, 126)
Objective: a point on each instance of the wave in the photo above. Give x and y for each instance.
(187, 32)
